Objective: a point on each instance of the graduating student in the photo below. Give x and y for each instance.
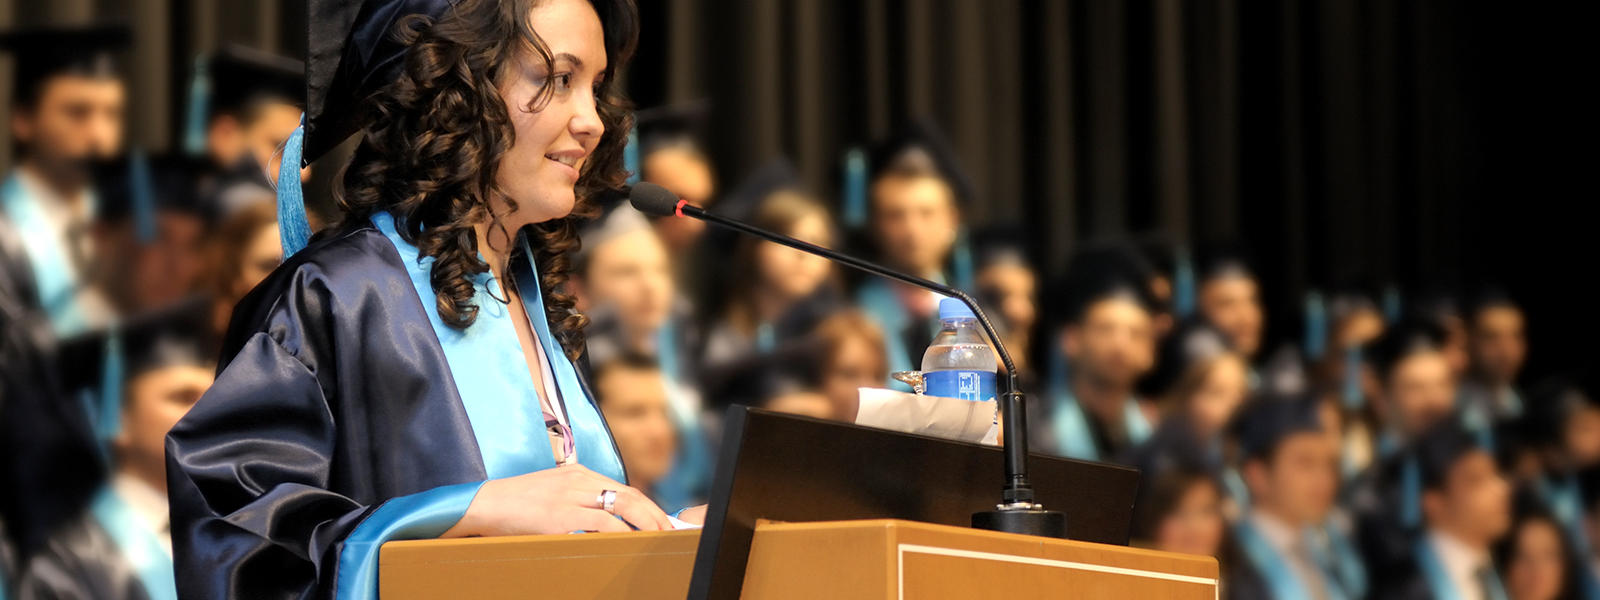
(244, 104)
(1290, 548)
(1229, 297)
(916, 197)
(672, 155)
(1498, 345)
(1205, 385)
(67, 112)
(1536, 560)
(1466, 508)
(850, 357)
(623, 281)
(1107, 343)
(151, 230)
(120, 548)
(386, 382)
(1008, 285)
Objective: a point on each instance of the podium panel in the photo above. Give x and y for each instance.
(902, 560)
(846, 560)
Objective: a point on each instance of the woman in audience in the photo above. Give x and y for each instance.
(851, 356)
(1537, 561)
(243, 250)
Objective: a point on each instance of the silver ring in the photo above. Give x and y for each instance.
(608, 501)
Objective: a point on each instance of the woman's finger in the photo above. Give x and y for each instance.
(601, 521)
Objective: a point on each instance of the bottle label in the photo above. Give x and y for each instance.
(976, 386)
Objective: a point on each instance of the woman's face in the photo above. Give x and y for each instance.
(1537, 570)
(855, 364)
(1219, 395)
(556, 133)
(261, 255)
(1195, 525)
(791, 273)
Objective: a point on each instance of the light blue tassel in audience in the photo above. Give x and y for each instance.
(855, 190)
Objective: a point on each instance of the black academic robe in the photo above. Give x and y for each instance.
(333, 396)
(1241, 581)
(1401, 580)
(8, 560)
(80, 562)
(49, 464)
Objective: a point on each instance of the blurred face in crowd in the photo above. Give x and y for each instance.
(686, 173)
(1358, 329)
(1421, 391)
(1537, 568)
(1297, 482)
(1455, 345)
(76, 119)
(1233, 305)
(856, 362)
(1195, 525)
(262, 253)
(1113, 345)
(154, 403)
(631, 274)
(634, 401)
(1474, 504)
(1223, 388)
(1580, 434)
(259, 133)
(1498, 343)
(553, 109)
(916, 221)
(792, 274)
(145, 275)
(1011, 288)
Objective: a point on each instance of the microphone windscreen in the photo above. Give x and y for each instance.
(653, 200)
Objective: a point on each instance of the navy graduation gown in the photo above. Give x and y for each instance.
(334, 412)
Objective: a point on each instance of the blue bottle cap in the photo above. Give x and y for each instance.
(954, 308)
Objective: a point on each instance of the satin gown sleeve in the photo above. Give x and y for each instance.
(328, 431)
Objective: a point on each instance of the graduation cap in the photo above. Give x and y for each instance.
(1193, 342)
(1489, 297)
(922, 149)
(1100, 272)
(1000, 244)
(742, 202)
(233, 80)
(139, 186)
(672, 126)
(45, 52)
(1226, 261)
(106, 360)
(1266, 421)
(1406, 338)
(1440, 449)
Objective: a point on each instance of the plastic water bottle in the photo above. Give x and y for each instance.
(959, 363)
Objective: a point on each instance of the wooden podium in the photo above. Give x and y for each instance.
(881, 559)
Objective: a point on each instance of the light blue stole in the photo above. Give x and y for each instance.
(55, 277)
(1439, 582)
(691, 469)
(1071, 426)
(1268, 563)
(136, 543)
(880, 302)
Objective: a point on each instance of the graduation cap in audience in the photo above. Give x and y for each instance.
(680, 126)
(139, 186)
(742, 202)
(233, 80)
(45, 52)
(1489, 297)
(1000, 244)
(921, 148)
(1266, 421)
(1404, 339)
(106, 360)
(1438, 450)
(1099, 272)
(1224, 261)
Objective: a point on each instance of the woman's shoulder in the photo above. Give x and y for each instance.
(338, 274)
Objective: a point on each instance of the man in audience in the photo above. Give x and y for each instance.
(633, 398)
(1498, 345)
(1229, 297)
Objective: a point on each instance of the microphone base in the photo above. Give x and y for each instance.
(1026, 521)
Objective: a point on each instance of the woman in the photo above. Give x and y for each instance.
(777, 293)
(244, 250)
(410, 373)
(851, 357)
(1208, 384)
(1536, 560)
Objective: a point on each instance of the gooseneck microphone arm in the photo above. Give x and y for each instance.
(1016, 512)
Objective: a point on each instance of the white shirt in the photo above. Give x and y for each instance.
(149, 504)
(1289, 543)
(68, 221)
(1461, 564)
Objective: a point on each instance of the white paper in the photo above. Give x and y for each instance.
(681, 524)
(949, 418)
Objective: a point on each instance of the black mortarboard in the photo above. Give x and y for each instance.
(1408, 337)
(1489, 297)
(1098, 272)
(1000, 244)
(922, 148)
(1266, 421)
(1440, 448)
(240, 76)
(44, 52)
(1224, 262)
(672, 126)
(179, 334)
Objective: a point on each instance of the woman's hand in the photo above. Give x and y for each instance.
(694, 515)
(559, 500)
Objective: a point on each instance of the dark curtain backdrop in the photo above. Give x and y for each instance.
(1417, 143)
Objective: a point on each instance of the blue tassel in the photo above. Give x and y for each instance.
(1316, 342)
(1391, 304)
(1352, 396)
(294, 229)
(108, 417)
(1410, 494)
(1183, 285)
(630, 156)
(961, 260)
(855, 189)
(142, 193)
(194, 132)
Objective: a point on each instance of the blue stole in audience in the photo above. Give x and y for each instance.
(55, 278)
(1071, 426)
(1439, 582)
(1270, 565)
(690, 475)
(136, 543)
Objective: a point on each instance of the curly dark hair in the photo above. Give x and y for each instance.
(434, 138)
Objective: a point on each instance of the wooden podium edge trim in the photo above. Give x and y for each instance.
(900, 567)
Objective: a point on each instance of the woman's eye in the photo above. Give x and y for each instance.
(564, 80)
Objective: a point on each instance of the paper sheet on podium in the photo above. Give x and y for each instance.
(948, 418)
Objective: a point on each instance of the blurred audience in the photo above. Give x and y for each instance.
(633, 397)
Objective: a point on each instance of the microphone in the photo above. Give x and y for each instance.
(1017, 512)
